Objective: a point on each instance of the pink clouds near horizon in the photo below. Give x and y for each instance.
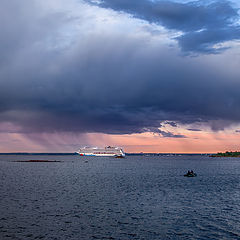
(194, 142)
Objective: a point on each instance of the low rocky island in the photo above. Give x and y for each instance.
(37, 161)
(226, 154)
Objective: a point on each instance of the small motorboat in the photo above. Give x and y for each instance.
(190, 174)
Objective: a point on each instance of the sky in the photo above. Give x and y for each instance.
(146, 75)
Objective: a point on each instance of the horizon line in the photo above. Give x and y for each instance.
(74, 153)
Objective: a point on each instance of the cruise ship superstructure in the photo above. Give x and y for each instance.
(101, 152)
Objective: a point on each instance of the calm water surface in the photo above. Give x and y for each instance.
(139, 197)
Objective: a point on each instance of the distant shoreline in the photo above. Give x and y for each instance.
(25, 153)
(128, 154)
(226, 154)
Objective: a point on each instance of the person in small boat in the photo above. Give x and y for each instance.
(190, 174)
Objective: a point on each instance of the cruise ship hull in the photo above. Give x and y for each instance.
(97, 155)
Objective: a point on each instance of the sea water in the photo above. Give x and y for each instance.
(138, 197)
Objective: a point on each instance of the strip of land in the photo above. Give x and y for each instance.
(226, 154)
(37, 161)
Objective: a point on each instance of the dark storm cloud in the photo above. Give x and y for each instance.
(167, 134)
(194, 129)
(202, 25)
(173, 124)
(103, 82)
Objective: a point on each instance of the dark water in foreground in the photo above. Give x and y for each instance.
(139, 197)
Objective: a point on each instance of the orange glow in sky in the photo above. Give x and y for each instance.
(194, 142)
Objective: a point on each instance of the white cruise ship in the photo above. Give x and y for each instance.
(101, 152)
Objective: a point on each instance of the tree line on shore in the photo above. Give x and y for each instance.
(226, 154)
